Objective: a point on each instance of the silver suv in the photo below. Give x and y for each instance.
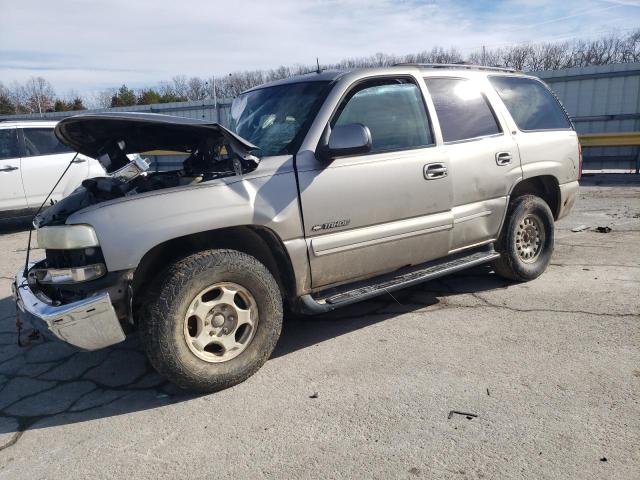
(327, 189)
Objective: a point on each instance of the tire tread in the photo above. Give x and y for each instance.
(159, 340)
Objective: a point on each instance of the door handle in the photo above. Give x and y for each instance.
(433, 171)
(8, 169)
(79, 160)
(503, 158)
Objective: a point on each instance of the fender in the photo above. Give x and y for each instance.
(129, 227)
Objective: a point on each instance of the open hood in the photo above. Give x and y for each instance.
(110, 136)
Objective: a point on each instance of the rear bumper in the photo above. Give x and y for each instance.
(89, 324)
(568, 195)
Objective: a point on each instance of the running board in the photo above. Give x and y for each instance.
(333, 298)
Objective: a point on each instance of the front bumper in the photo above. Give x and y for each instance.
(89, 324)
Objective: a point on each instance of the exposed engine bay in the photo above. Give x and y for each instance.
(206, 162)
(121, 141)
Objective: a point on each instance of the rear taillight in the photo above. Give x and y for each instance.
(579, 161)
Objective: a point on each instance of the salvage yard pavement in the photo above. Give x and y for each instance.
(466, 377)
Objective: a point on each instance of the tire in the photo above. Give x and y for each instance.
(173, 330)
(526, 241)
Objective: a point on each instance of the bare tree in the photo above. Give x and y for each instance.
(102, 99)
(631, 47)
(6, 104)
(36, 95)
(166, 88)
(517, 57)
(180, 86)
(278, 73)
(489, 58)
(196, 89)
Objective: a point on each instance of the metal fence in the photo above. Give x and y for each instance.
(600, 99)
(201, 109)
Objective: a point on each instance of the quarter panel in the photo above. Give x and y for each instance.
(549, 153)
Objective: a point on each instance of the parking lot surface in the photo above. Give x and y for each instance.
(549, 370)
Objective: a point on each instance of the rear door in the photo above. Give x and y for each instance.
(372, 213)
(11, 190)
(483, 155)
(547, 142)
(45, 158)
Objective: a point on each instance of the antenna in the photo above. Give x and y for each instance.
(318, 64)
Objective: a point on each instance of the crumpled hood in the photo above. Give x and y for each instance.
(97, 134)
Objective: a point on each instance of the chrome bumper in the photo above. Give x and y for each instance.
(89, 324)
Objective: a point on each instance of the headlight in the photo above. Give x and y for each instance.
(68, 275)
(67, 237)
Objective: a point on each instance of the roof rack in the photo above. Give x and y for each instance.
(463, 66)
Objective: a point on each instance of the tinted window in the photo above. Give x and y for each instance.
(530, 103)
(42, 141)
(394, 113)
(8, 143)
(462, 109)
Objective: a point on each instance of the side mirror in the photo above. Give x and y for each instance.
(345, 140)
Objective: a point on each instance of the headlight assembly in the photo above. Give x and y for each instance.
(67, 237)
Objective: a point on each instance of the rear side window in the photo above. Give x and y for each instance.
(463, 111)
(42, 141)
(395, 114)
(8, 143)
(530, 103)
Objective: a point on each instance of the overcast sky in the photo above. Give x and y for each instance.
(92, 45)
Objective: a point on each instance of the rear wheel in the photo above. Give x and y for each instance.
(214, 320)
(526, 241)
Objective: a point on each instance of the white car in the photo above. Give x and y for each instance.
(31, 161)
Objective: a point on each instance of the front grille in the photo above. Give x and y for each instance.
(78, 257)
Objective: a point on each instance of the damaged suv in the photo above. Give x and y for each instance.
(327, 189)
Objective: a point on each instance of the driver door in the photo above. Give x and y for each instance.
(369, 214)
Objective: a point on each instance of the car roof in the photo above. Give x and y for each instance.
(321, 76)
(333, 75)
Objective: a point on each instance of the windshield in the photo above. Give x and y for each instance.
(275, 118)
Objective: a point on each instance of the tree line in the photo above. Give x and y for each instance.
(37, 94)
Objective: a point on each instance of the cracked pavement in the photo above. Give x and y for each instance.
(551, 368)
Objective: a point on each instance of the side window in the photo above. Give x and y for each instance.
(530, 103)
(42, 141)
(395, 114)
(462, 109)
(8, 143)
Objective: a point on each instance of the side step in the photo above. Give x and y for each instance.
(333, 298)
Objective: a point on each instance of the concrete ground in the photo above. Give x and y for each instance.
(551, 368)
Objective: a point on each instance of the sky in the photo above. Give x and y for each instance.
(87, 46)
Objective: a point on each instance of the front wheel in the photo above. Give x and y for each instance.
(214, 320)
(526, 240)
